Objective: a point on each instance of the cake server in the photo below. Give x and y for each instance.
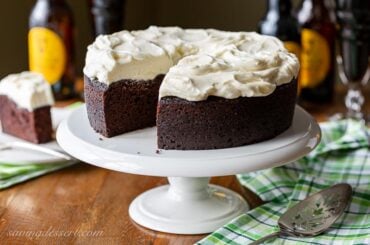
(32, 147)
(313, 215)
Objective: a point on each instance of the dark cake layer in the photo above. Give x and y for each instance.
(32, 126)
(221, 123)
(123, 106)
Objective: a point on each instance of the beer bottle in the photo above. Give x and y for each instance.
(107, 16)
(280, 22)
(51, 45)
(318, 50)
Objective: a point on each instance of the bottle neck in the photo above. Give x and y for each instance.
(316, 5)
(53, 1)
(313, 10)
(280, 7)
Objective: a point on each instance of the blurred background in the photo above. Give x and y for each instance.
(232, 15)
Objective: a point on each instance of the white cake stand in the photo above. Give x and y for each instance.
(188, 205)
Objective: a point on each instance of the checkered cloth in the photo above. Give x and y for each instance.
(342, 156)
(11, 174)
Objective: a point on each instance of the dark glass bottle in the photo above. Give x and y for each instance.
(354, 22)
(280, 22)
(107, 15)
(51, 45)
(318, 52)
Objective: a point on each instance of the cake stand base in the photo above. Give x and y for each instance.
(187, 206)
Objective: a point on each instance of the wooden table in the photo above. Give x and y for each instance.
(84, 204)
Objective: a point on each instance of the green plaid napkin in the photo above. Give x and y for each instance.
(14, 173)
(342, 156)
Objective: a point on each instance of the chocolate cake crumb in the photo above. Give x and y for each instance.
(218, 123)
(123, 106)
(215, 123)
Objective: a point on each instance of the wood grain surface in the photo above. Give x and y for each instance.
(84, 204)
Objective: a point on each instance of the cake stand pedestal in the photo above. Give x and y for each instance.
(188, 205)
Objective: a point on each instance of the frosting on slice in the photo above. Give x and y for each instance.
(28, 90)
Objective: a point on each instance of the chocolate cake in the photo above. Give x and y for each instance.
(211, 89)
(222, 123)
(122, 107)
(25, 101)
(32, 126)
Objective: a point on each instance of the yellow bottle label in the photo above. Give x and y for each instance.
(315, 59)
(47, 53)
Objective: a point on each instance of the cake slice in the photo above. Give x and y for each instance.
(25, 101)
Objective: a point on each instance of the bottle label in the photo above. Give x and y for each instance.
(47, 53)
(315, 59)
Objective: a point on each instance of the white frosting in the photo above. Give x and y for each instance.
(28, 90)
(197, 63)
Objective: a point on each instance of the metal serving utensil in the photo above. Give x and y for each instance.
(313, 215)
(28, 146)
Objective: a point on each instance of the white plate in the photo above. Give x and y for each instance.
(136, 152)
(18, 156)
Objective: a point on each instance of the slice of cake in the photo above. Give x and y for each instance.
(25, 101)
(217, 89)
